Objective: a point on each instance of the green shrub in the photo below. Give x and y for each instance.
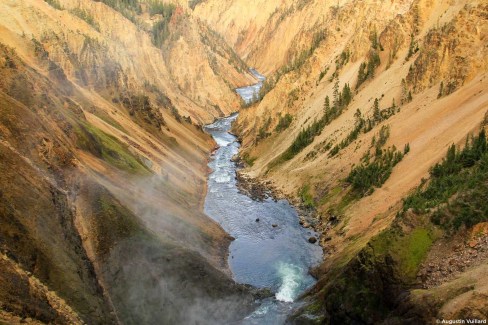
(307, 135)
(160, 8)
(160, 30)
(366, 69)
(193, 3)
(263, 130)
(306, 196)
(365, 125)
(86, 16)
(323, 73)
(412, 48)
(128, 8)
(54, 3)
(370, 174)
(248, 159)
(463, 176)
(284, 122)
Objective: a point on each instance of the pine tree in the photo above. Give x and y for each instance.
(359, 118)
(441, 90)
(346, 95)
(404, 92)
(406, 149)
(361, 74)
(326, 105)
(411, 47)
(376, 110)
(336, 93)
(374, 39)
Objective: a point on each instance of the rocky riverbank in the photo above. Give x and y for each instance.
(260, 190)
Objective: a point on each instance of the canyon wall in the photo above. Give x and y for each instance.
(104, 164)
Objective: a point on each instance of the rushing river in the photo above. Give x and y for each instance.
(249, 93)
(273, 252)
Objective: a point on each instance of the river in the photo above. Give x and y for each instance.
(249, 93)
(273, 252)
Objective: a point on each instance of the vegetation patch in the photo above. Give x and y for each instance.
(160, 8)
(54, 3)
(413, 249)
(194, 3)
(366, 69)
(112, 221)
(284, 122)
(160, 30)
(86, 16)
(128, 8)
(374, 173)
(323, 73)
(108, 148)
(248, 159)
(263, 130)
(458, 189)
(408, 250)
(307, 135)
(365, 125)
(412, 48)
(340, 61)
(109, 120)
(139, 106)
(306, 197)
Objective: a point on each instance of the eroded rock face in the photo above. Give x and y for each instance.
(39, 236)
(101, 197)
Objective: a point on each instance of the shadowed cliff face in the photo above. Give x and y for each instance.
(103, 171)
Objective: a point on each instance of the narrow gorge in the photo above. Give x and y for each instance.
(270, 250)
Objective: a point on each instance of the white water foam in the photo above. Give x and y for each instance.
(222, 142)
(262, 310)
(222, 178)
(290, 282)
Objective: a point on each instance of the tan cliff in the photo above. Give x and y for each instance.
(104, 164)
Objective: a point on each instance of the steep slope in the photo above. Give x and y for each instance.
(404, 81)
(103, 167)
(271, 34)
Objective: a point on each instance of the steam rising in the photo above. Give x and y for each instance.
(168, 271)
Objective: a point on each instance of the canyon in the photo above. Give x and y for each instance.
(367, 116)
